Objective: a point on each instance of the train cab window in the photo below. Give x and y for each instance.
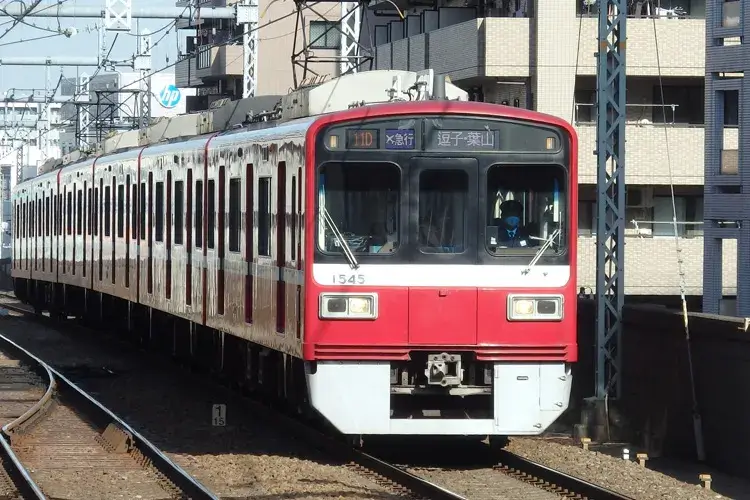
(360, 203)
(211, 213)
(107, 211)
(526, 207)
(179, 211)
(443, 199)
(121, 211)
(264, 216)
(198, 214)
(159, 211)
(235, 186)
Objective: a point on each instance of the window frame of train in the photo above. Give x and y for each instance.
(504, 141)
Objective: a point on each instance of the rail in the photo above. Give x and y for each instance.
(553, 480)
(379, 470)
(100, 416)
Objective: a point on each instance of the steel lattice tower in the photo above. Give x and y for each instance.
(610, 200)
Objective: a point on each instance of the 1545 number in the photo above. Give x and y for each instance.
(350, 279)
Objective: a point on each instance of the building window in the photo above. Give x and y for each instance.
(324, 35)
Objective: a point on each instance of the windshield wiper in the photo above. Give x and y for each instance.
(539, 252)
(340, 238)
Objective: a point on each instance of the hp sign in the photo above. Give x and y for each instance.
(169, 97)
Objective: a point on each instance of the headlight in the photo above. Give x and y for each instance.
(535, 308)
(348, 306)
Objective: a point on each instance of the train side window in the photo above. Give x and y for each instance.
(91, 211)
(134, 211)
(143, 210)
(69, 214)
(211, 213)
(121, 211)
(107, 210)
(95, 210)
(159, 211)
(294, 217)
(235, 186)
(198, 214)
(264, 216)
(79, 213)
(48, 215)
(179, 211)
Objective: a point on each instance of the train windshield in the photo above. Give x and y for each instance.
(398, 191)
(526, 207)
(359, 207)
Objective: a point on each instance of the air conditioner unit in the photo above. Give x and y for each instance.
(640, 197)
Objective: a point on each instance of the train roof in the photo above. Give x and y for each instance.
(349, 97)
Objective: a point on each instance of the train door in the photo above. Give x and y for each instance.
(282, 284)
(157, 254)
(78, 261)
(209, 225)
(176, 246)
(265, 284)
(232, 271)
(249, 251)
(196, 269)
(443, 208)
(131, 227)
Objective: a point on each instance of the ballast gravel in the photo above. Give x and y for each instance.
(246, 458)
(623, 476)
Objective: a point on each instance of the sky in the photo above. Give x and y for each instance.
(83, 44)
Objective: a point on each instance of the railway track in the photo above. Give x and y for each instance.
(493, 481)
(393, 478)
(491, 474)
(67, 445)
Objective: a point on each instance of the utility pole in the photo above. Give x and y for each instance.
(610, 200)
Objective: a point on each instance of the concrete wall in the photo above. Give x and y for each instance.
(656, 398)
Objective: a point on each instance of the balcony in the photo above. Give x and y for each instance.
(643, 278)
(648, 159)
(681, 43)
(186, 73)
(219, 62)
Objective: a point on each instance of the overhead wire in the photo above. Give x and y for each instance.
(151, 73)
(19, 19)
(697, 427)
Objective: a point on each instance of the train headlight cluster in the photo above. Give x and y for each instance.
(535, 308)
(348, 306)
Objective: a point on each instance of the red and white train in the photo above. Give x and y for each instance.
(353, 259)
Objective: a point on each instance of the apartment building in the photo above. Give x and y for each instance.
(215, 71)
(541, 55)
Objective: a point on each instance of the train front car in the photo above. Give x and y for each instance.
(442, 241)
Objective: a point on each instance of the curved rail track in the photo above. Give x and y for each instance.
(406, 480)
(53, 444)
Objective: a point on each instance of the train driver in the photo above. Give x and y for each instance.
(511, 233)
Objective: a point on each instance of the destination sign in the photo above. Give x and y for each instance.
(465, 140)
(362, 138)
(399, 138)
